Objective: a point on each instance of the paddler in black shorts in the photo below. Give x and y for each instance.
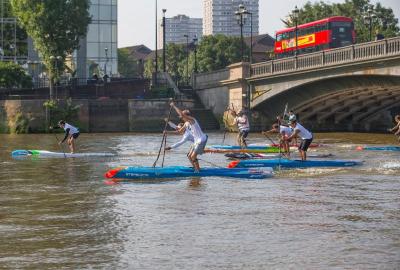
(71, 133)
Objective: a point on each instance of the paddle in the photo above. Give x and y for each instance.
(225, 123)
(164, 138)
(62, 148)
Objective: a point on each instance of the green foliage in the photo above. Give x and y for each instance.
(13, 76)
(386, 23)
(55, 26)
(9, 33)
(57, 111)
(213, 53)
(217, 52)
(20, 124)
(127, 64)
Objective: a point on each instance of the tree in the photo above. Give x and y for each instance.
(219, 51)
(13, 76)
(127, 64)
(56, 26)
(176, 62)
(386, 23)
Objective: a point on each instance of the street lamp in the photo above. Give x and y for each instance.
(296, 19)
(156, 51)
(241, 19)
(251, 34)
(195, 40)
(369, 17)
(187, 58)
(105, 64)
(164, 42)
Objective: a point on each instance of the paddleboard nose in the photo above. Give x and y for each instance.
(112, 173)
(233, 164)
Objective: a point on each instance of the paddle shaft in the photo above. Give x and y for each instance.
(62, 148)
(163, 141)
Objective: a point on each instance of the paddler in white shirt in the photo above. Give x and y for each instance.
(200, 139)
(243, 124)
(71, 133)
(305, 136)
(186, 135)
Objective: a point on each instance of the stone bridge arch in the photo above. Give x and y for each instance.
(346, 103)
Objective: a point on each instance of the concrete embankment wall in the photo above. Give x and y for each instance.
(212, 93)
(102, 115)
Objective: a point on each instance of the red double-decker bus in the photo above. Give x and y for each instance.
(333, 32)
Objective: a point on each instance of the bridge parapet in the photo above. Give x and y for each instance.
(350, 54)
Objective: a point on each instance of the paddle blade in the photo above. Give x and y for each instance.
(359, 148)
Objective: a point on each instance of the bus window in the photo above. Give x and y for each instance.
(341, 34)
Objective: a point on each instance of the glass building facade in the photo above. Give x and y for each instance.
(98, 53)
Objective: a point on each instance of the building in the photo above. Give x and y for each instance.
(263, 47)
(98, 52)
(177, 27)
(219, 17)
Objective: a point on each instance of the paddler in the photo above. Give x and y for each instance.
(305, 136)
(200, 139)
(186, 135)
(71, 133)
(284, 132)
(243, 124)
(396, 128)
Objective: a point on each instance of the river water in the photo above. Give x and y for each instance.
(59, 213)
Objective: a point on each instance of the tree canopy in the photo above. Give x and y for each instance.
(213, 53)
(56, 26)
(219, 51)
(13, 76)
(127, 64)
(385, 22)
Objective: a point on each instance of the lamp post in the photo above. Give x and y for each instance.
(251, 34)
(369, 17)
(241, 16)
(106, 63)
(195, 40)
(164, 42)
(187, 58)
(296, 19)
(156, 52)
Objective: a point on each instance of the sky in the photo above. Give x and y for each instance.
(136, 18)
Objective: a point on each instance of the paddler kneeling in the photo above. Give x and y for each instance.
(284, 133)
(186, 135)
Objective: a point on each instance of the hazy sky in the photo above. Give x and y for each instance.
(136, 18)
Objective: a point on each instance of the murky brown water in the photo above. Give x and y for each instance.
(59, 214)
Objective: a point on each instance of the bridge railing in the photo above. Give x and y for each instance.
(339, 56)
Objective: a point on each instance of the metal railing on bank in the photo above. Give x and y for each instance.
(350, 54)
(88, 89)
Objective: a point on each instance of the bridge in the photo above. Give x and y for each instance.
(354, 88)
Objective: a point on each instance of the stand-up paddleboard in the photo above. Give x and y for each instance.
(379, 148)
(181, 171)
(237, 149)
(49, 154)
(263, 156)
(312, 145)
(288, 163)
